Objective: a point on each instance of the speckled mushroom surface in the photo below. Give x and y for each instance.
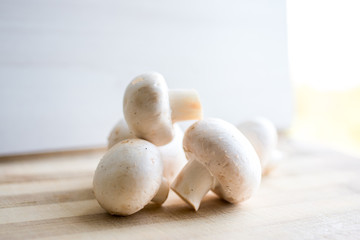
(227, 154)
(228, 157)
(128, 177)
(147, 110)
(150, 109)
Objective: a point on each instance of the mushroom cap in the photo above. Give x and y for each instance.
(172, 154)
(147, 109)
(228, 156)
(128, 176)
(262, 135)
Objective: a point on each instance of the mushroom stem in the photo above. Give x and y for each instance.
(185, 105)
(192, 183)
(163, 192)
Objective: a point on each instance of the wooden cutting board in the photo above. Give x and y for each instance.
(313, 194)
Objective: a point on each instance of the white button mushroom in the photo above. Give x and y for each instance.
(263, 136)
(221, 159)
(150, 108)
(172, 154)
(129, 176)
(119, 132)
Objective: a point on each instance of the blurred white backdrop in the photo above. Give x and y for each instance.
(324, 54)
(64, 65)
(324, 43)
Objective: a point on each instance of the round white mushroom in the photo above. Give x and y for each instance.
(150, 109)
(129, 176)
(219, 158)
(172, 154)
(262, 134)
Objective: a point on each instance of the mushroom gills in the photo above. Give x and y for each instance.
(192, 183)
(185, 105)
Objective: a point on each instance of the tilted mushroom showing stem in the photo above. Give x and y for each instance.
(219, 158)
(172, 154)
(262, 134)
(129, 176)
(150, 109)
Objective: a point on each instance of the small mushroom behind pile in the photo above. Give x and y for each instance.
(262, 134)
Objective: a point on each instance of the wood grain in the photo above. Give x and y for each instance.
(313, 194)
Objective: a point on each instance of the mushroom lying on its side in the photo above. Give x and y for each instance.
(150, 109)
(262, 134)
(221, 159)
(129, 176)
(172, 154)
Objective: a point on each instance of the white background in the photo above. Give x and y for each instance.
(324, 43)
(64, 64)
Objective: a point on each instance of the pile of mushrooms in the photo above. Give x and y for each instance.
(147, 151)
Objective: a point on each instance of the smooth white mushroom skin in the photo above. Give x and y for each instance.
(223, 151)
(128, 177)
(172, 154)
(147, 108)
(262, 134)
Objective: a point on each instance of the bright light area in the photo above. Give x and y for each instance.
(324, 55)
(324, 43)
